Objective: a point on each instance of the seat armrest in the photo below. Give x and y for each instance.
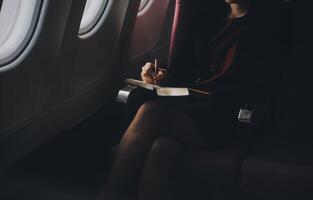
(254, 118)
(132, 97)
(251, 113)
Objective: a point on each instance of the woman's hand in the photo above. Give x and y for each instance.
(148, 74)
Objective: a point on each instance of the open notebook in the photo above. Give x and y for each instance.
(166, 91)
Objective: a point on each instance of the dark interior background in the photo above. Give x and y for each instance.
(59, 121)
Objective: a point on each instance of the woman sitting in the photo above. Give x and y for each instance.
(239, 56)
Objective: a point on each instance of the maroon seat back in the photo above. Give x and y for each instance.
(182, 17)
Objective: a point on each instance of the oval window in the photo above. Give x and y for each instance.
(143, 4)
(93, 12)
(18, 20)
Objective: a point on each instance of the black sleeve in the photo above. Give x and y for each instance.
(181, 71)
(202, 20)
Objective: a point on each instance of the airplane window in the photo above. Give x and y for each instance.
(18, 20)
(93, 12)
(143, 4)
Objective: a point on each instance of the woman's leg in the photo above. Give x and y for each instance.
(152, 120)
(153, 183)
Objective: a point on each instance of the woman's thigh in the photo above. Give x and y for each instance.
(215, 124)
(191, 123)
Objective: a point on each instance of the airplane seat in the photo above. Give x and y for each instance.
(216, 171)
(212, 173)
(212, 13)
(282, 166)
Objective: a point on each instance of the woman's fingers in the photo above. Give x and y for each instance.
(149, 68)
(147, 78)
(162, 76)
(147, 73)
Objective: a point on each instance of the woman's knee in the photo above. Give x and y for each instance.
(151, 107)
(165, 146)
(147, 116)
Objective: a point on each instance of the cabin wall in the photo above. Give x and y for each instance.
(64, 78)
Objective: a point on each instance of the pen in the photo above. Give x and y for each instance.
(199, 91)
(156, 70)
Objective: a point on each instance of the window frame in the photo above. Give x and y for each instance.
(145, 8)
(1, 1)
(98, 21)
(30, 38)
(143, 5)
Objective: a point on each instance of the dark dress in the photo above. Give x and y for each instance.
(242, 63)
